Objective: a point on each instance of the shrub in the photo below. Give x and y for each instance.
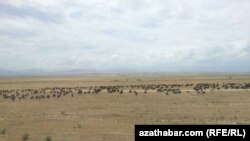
(48, 138)
(3, 131)
(25, 136)
(79, 126)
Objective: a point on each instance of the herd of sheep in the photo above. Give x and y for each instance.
(57, 92)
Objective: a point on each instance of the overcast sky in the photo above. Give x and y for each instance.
(125, 35)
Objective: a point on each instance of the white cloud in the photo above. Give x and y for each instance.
(143, 35)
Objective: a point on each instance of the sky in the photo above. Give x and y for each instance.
(125, 35)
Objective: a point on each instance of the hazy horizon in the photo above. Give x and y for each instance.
(124, 36)
(111, 72)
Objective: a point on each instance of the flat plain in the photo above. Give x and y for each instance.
(106, 107)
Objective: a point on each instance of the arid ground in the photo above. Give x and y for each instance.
(111, 116)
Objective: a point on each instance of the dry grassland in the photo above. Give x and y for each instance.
(102, 117)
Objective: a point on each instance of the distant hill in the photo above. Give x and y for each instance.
(35, 72)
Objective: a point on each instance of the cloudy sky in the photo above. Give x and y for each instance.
(125, 35)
